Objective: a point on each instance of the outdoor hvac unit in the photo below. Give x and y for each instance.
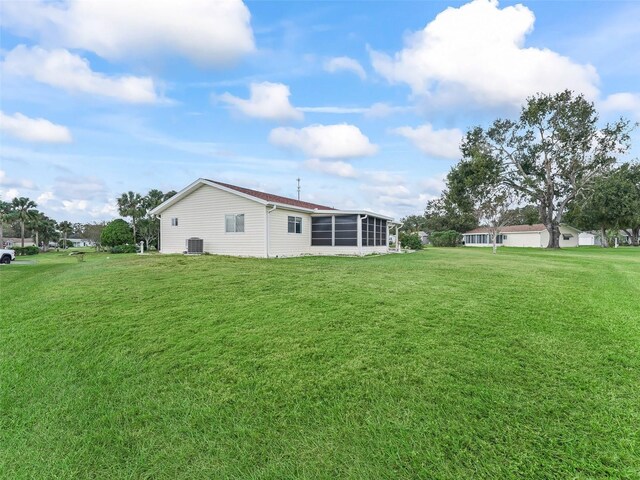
(195, 245)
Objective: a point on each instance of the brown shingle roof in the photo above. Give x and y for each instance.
(536, 227)
(270, 197)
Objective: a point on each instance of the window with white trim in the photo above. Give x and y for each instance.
(294, 224)
(174, 222)
(234, 223)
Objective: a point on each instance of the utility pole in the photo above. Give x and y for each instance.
(298, 188)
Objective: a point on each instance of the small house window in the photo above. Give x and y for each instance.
(174, 222)
(294, 225)
(566, 236)
(234, 223)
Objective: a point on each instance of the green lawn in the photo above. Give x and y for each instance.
(448, 363)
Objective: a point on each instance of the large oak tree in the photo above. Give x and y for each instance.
(553, 152)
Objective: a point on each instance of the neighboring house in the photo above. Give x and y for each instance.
(424, 237)
(219, 218)
(10, 242)
(624, 238)
(595, 238)
(590, 239)
(521, 236)
(81, 242)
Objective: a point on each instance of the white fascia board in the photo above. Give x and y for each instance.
(570, 227)
(351, 212)
(286, 206)
(190, 188)
(182, 193)
(235, 192)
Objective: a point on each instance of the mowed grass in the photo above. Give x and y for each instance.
(448, 363)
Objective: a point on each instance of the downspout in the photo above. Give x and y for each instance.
(360, 232)
(268, 228)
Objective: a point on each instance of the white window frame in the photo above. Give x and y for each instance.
(235, 217)
(174, 221)
(296, 221)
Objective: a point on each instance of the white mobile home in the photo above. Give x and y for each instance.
(521, 236)
(590, 238)
(219, 218)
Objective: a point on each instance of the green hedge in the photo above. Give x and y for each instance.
(123, 249)
(30, 250)
(448, 238)
(410, 241)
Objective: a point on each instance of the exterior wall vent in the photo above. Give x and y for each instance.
(195, 245)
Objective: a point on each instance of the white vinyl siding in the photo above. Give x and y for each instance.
(281, 242)
(523, 239)
(202, 215)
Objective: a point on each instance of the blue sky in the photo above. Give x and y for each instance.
(364, 101)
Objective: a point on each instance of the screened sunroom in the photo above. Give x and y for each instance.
(361, 230)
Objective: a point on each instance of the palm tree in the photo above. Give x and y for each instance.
(24, 209)
(6, 211)
(131, 205)
(65, 228)
(48, 231)
(152, 199)
(35, 224)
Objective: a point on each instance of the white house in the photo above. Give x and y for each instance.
(521, 236)
(424, 237)
(219, 218)
(595, 238)
(589, 238)
(81, 242)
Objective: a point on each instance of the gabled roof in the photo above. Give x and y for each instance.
(536, 227)
(272, 198)
(255, 195)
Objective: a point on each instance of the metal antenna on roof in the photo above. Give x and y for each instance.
(298, 188)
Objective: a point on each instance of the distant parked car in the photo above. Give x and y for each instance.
(6, 255)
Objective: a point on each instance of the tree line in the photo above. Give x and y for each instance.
(552, 165)
(21, 218)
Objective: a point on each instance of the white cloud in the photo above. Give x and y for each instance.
(388, 190)
(334, 110)
(108, 209)
(33, 129)
(80, 187)
(348, 64)
(62, 69)
(477, 52)
(434, 185)
(210, 33)
(384, 177)
(377, 110)
(267, 100)
(623, 102)
(44, 198)
(8, 195)
(74, 206)
(338, 168)
(325, 141)
(444, 143)
(5, 181)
